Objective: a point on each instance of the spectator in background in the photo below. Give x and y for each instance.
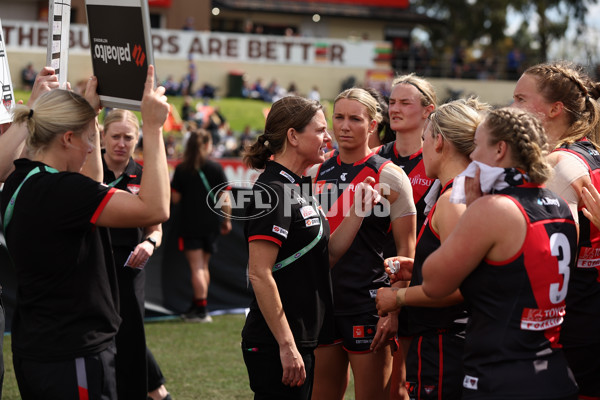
(189, 24)
(292, 89)
(187, 84)
(314, 94)
(514, 63)
(187, 109)
(172, 88)
(28, 75)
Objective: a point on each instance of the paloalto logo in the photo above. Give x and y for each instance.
(121, 54)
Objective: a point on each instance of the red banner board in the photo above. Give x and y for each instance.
(370, 3)
(160, 3)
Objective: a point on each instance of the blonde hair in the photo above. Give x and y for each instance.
(53, 114)
(366, 99)
(120, 115)
(457, 121)
(525, 135)
(426, 89)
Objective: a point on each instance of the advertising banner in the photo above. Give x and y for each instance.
(216, 47)
(119, 32)
(6, 86)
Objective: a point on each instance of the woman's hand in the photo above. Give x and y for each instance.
(45, 81)
(387, 327)
(386, 301)
(294, 373)
(473, 187)
(365, 197)
(154, 107)
(140, 255)
(399, 268)
(91, 94)
(591, 198)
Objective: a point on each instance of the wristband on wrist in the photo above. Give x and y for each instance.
(401, 297)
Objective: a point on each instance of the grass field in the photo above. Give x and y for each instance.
(238, 112)
(199, 361)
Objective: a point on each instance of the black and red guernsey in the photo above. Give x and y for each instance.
(360, 272)
(517, 307)
(415, 170)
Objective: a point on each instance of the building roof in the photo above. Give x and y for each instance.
(326, 9)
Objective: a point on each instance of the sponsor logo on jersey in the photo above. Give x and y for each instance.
(429, 388)
(135, 189)
(588, 258)
(326, 171)
(418, 181)
(287, 176)
(470, 382)
(373, 293)
(312, 222)
(536, 319)
(343, 176)
(548, 201)
(307, 212)
(280, 231)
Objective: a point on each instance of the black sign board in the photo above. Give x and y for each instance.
(121, 50)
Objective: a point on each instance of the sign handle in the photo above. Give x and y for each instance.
(59, 23)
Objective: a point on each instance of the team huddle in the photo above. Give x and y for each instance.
(456, 261)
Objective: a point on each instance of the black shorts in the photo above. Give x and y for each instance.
(584, 361)
(355, 332)
(206, 243)
(93, 374)
(265, 373)
(434, 367)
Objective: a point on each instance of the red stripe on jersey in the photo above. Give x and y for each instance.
(265, 237)
(419, 181)
(103, 204)
(83, 393)
(335, 215)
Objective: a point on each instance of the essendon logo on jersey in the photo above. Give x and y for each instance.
(429, 388)
(470, 382)
(135, 189)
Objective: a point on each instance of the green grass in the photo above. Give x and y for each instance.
(199, 361)
(238, 112)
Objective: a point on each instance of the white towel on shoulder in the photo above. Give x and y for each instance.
(491, 178)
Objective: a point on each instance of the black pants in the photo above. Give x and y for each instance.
(137, 370)
(94, 374)
(265, 373)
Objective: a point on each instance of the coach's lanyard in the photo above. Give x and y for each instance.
(11, 204)
(207, 186)
(302, 251)
(116, 181)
